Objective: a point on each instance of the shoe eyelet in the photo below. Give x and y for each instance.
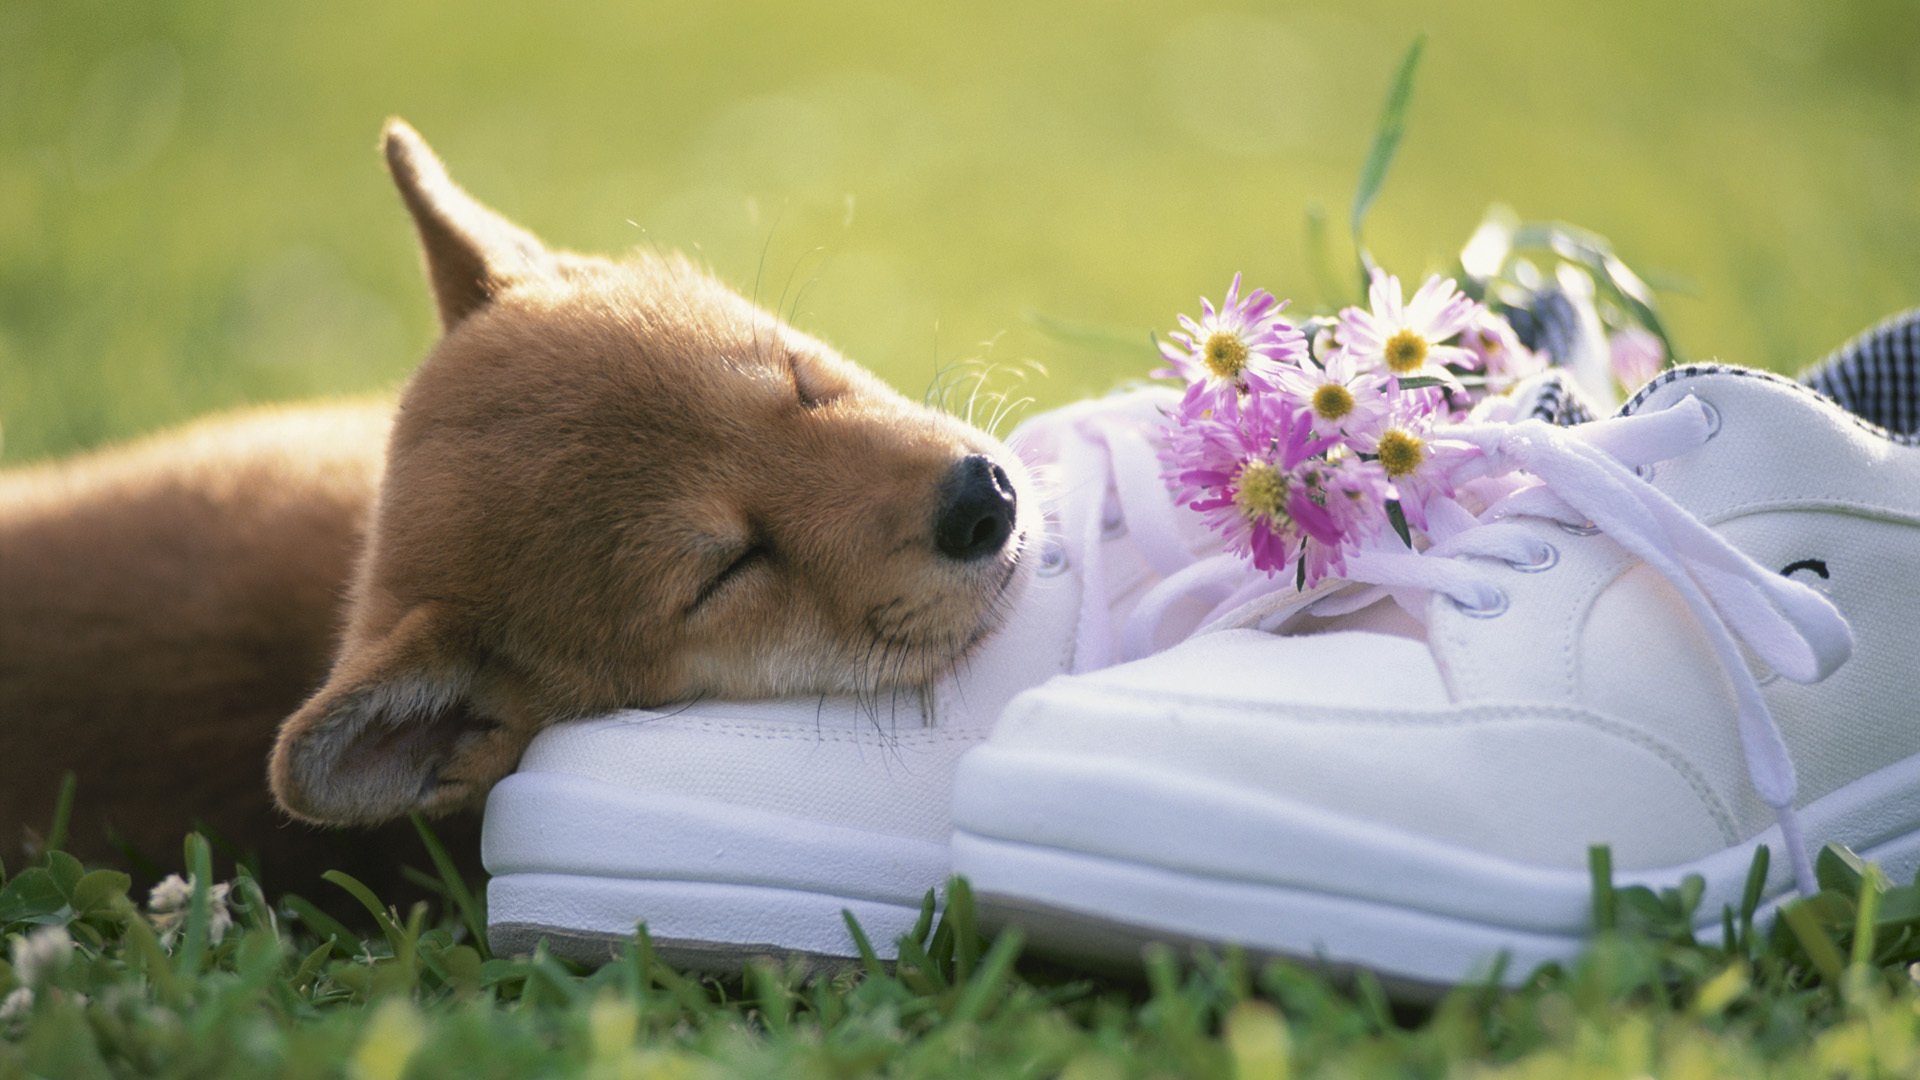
(1713, 416)
(1549, 558)
(1644, 472)
(1578, 530)
(1495, 607)
(1053, 559)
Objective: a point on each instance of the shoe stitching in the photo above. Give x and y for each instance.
(942, 735)
(1694, 371)
(1332, 715)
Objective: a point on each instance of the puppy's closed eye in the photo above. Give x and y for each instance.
(746, 559)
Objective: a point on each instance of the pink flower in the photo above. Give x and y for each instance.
(1354, 494)
(1419, 460)
(1408, 340)
(1339, 397)
(1234, 349)
(1248, 471)
(1498, 353)
(1637, 356)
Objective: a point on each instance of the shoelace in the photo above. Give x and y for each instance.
(1594, 477)
(1104, 475)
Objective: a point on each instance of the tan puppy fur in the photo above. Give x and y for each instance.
(610, 484)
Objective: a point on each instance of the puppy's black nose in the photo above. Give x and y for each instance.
(976, 509)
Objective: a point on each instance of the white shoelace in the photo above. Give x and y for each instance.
(1104, 474)
(1593, 478)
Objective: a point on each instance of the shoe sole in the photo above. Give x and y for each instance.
(1093, 858)
(580, 864)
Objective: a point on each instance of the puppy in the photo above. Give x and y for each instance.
(611, 483)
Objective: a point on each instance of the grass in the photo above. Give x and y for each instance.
(281, 991)
(192, 215)
(191, 218)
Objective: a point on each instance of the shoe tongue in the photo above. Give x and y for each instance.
(1290, 614)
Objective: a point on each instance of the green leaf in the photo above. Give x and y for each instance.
(1386, 137)
(31, 896)
(98, 890)
(1421, 382)
(1397, 517)
(66, 872)
(1839, 870)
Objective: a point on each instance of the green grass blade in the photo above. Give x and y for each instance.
(1386, 137)
(1819, 946)
(1606, 912)
(62, 812)
(868, 958)
(1320, 259)
(990, 981)
(1872, 886)
(322, 924)
(1751, 894)
(473, 914)
(966, 928)
(193, 943)
(372, 903)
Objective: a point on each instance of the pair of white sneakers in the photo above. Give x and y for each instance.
(1689, 639)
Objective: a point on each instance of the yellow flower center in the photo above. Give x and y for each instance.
(1226, 354)
(1401, 452)
(1261, 490)
(1406, 351)
(1332, 401)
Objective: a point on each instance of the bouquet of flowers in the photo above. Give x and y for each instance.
(1303, 442)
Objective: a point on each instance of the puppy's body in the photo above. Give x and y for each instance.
(162, 607)
(612, 483)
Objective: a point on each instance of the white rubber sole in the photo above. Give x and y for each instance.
(1094, 857)
(580, 864)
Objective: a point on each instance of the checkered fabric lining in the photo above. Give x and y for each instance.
(1876, 376)
(1557, 402)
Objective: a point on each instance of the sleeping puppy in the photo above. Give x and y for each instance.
(610, 484)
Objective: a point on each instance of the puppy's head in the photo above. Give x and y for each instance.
(620, 483)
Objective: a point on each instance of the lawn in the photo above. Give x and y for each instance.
(217, 980)
(192, 217)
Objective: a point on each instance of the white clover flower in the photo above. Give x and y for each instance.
(17, 1005)
(169, 902)
(41, 954)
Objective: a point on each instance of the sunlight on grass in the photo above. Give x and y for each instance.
(192, 215)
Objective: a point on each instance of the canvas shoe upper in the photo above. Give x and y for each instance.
(737, 827)
(1690, 638)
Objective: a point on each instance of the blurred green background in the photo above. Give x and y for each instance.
(192, 214)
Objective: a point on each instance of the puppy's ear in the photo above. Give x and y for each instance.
(471, 252)
(393, 730)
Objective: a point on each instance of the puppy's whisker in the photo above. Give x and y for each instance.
(780, 309)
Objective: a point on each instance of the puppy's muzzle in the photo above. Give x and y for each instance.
(976, 511)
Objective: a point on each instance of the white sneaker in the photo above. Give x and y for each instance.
(739, 828)
(1594, 664)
